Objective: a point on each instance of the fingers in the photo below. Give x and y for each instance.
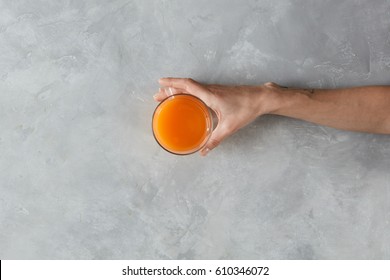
(218, 135)
(189, 86)
(165, 92)
(172, 86)
(184, 83)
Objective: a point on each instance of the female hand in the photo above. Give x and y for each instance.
(364, 109)
(235, 106)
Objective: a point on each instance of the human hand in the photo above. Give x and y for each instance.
(234, 106)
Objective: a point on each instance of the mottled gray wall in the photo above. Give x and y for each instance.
(81, 176)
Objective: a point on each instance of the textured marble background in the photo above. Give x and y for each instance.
(81, 176)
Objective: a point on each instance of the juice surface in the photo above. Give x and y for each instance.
(181, 123)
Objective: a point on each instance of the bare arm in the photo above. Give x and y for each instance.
(365, 109)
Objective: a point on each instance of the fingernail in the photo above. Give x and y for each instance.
(205, 152)
(170, 91)
(155, 96)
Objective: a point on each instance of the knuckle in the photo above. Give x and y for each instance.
(214, 142)
(189, 81)
(271, 84)
(189, 84)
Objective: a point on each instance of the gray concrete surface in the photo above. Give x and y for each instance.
(81, 176)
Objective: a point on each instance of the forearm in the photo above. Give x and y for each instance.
(365, 109)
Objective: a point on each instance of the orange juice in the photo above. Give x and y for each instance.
(182, 124)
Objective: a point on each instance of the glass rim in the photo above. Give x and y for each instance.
(210, 126)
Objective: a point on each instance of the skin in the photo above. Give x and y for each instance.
(363, 109)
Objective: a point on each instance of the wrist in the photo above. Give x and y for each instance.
(272, 97)
(279, 100)
(294, 103)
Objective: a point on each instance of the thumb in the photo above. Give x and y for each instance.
(217, 136)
